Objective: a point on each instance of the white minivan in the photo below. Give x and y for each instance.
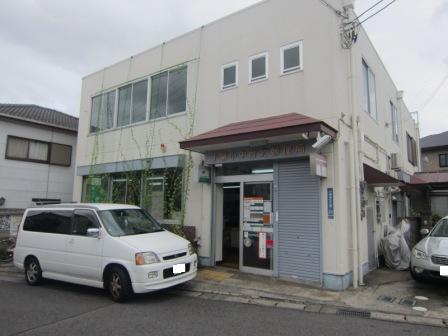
(117, 247)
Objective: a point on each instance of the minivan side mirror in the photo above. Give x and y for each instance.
(424, 232)
(93, 232)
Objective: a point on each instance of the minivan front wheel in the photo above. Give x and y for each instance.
(119, 284)
(33, 272)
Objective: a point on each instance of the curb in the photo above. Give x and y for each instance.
(312, 307)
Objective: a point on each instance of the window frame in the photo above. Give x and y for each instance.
(168, 115)
(411, 146)
(394, 122)
(148, 118)
(115, 112)
(48, 159)
(224, 67)
(446, 160)
(295, 69)
(82, 212)
(266, 67)
(366, 81)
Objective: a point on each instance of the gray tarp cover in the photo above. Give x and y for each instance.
(394, 247)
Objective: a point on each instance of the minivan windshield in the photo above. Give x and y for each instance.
(441, 229)
(127, 222)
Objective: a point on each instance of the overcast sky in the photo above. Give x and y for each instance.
(47, 46)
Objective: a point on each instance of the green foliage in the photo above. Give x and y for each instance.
(435, 218)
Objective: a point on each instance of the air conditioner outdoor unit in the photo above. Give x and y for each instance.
(395, 161)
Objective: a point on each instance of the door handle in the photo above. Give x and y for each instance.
(71, 241)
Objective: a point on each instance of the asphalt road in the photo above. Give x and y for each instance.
(62, 309)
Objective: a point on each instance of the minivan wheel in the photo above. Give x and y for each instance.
(33, 272)
(119, 285)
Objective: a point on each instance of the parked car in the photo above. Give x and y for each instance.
(430, 256)
(117, 247)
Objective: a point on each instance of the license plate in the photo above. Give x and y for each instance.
(444, 271)
(179, 268)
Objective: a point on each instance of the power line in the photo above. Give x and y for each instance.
(435, 92)
(337, 11)
(377, 12)
(368, 9)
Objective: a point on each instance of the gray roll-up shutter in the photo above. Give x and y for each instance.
(299, 228)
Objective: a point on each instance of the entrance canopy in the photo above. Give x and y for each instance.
(276, 129)
(376, 177)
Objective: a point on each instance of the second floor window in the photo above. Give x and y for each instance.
(229, 76)
(443, 160)
(258, 67)
(132, 103)
(23, 149)
(369, 90)
(394, 120)
(169, 93)
(411, 149)
(291, 58)
(102, 116)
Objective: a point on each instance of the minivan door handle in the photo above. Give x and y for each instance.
(71, 241)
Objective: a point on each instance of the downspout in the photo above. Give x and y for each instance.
(354, 166)
(353, 214)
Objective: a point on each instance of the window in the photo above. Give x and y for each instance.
(443, 160)
(61, 155)
(291, 58)
(229, 76)
(82, 221)
(124, 106)
(169, 93)
(26, 150)
(38, 151)
(102, 115)
(258, 67)
(394, 118)
(48, 221)
(411, 149)
(369, 91)
(139, 99)
(157, 191)
(132, 100)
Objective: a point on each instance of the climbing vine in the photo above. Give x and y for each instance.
(164, 192)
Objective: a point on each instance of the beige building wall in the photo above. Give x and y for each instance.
(321, 90)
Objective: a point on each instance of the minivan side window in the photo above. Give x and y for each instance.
(83, 220)
(48, 221)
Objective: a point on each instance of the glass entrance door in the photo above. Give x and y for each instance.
(257, 228)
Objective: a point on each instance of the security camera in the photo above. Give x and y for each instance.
(322, 141)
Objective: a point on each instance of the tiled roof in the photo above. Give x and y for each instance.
(256, 128)
(434, 140)
(39, 115)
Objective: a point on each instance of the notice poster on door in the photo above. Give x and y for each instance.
(253, 210)
(262, 245)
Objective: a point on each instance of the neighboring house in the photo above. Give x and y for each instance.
(434, 152)
(37, 159)
(214, 129)
(433, 180)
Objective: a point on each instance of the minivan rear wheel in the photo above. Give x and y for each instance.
(33, 272)
(119, 284)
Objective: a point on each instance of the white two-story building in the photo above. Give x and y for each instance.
(215, 130)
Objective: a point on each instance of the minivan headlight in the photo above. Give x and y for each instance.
(145, 258)
(191, 249)
(419, 254)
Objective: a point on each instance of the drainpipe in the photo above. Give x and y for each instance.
(354, 165)
(353, 214)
